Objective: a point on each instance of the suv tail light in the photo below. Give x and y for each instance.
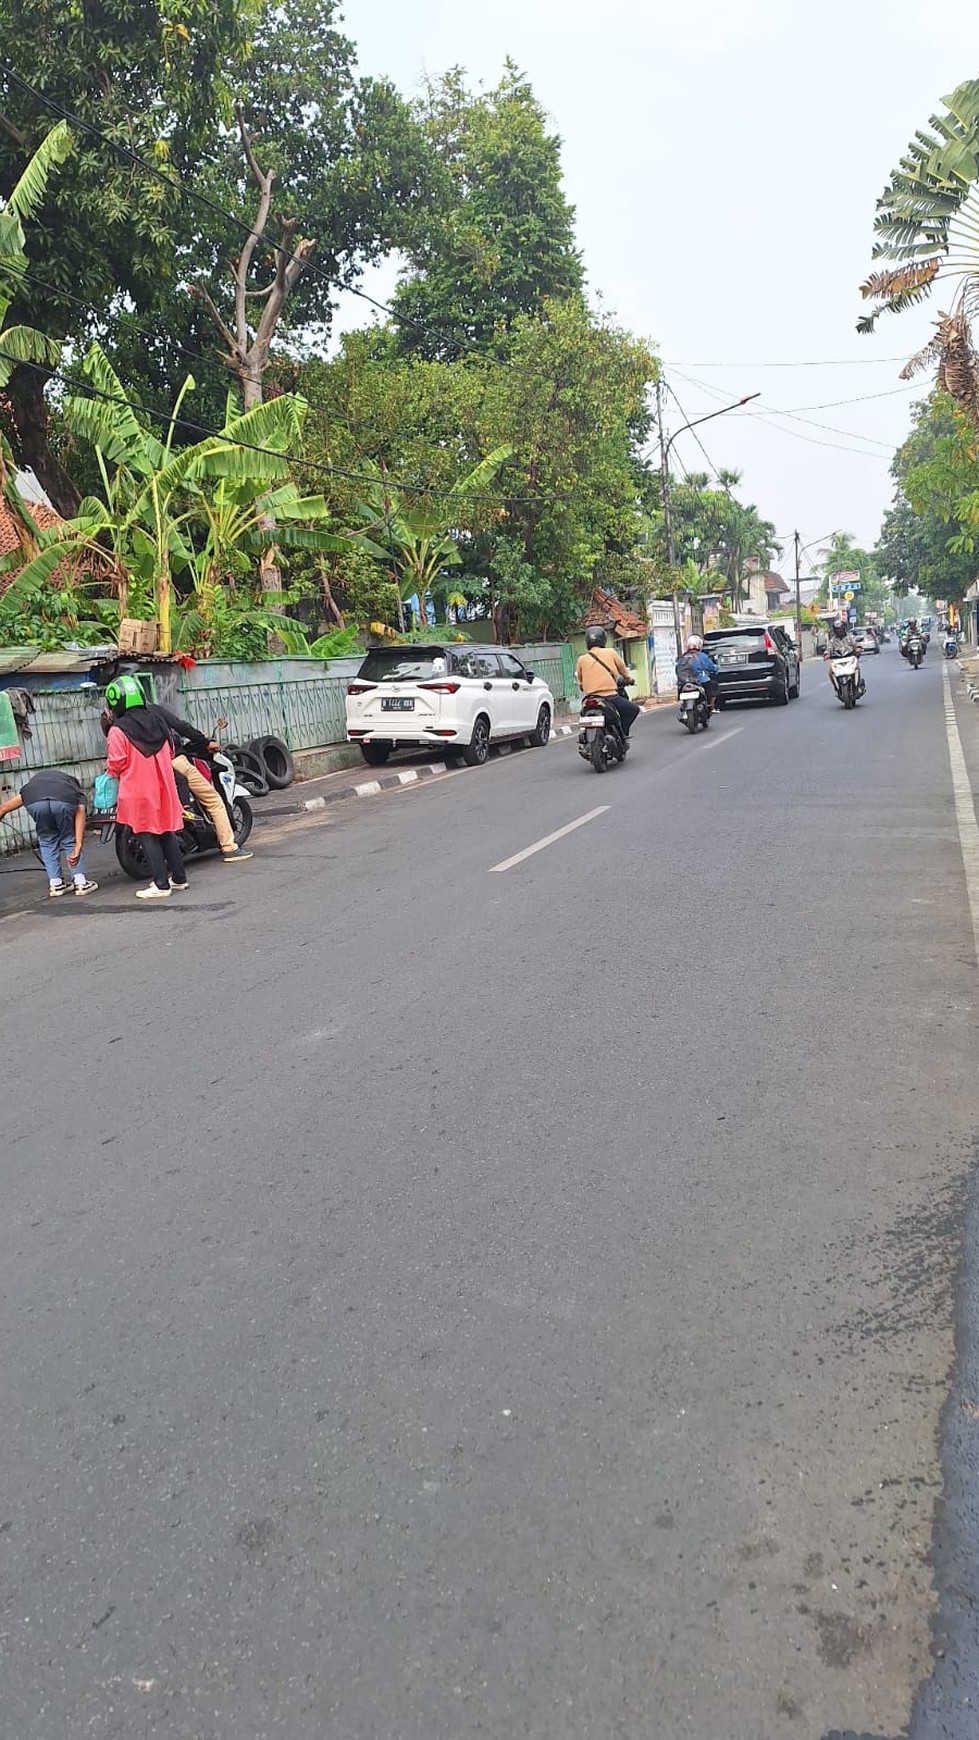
(442, 688)
(359, 688)
(770, 646)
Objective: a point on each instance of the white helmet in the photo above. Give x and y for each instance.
(695, 643)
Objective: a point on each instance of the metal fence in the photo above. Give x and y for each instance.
(65, 733)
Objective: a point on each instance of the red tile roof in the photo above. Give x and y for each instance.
(605, 611)
(13, 531)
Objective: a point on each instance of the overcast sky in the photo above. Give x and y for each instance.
(724, 157)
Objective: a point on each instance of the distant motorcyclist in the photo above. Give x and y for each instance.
(696, 666)
(599, 671)
(841, 645)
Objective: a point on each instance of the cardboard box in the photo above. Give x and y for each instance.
(138, 637)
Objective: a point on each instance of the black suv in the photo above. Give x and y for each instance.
(754, 662)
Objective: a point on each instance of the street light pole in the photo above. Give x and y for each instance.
(798, 601)
(664, 462)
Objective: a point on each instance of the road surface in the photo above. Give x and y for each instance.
(455, 1291)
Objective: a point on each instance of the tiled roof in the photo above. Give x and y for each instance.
(605, 611)
(11, 529)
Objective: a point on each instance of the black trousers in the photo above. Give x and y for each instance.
(627, 710)
(162, 853)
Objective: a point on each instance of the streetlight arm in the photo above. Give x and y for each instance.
(707, 417)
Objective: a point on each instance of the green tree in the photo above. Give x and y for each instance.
(150, 75)
(503, 243)
(195, 513)
(927, 540)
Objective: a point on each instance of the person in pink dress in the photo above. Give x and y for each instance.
(140, 757)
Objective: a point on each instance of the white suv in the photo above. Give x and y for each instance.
(461, 697)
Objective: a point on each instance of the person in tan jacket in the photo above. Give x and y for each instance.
(599, 671)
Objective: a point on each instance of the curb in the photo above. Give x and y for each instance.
(409, 776)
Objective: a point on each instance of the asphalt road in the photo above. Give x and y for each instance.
(445, 1302)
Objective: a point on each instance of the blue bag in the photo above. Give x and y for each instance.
(106, 794)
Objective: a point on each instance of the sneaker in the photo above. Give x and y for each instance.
(236, 856)
(86, 887)
(56, 889)
(179, 887)
(153, 893)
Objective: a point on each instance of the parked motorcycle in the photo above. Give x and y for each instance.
(694, 708)
(914, 650)
(197, 836)
(601, 739)
(847, 679)
(950, 646)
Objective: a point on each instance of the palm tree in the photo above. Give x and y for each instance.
(927, 226)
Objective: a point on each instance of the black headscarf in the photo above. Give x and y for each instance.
(145, 728)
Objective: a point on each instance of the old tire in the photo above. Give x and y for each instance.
(275, 758)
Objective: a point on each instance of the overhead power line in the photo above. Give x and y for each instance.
(841, 362)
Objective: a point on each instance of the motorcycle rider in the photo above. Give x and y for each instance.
(599, 671)
(696, 666)
(188, 741)
(841, 645)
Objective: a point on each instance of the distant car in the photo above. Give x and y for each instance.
(819, 640)
(867, 639)
(754, 662)
(459, 696)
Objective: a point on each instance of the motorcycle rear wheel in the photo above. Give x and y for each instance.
(598, 755)
(691, 720)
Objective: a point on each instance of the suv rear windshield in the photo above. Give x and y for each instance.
(403, 664)
(741, 637)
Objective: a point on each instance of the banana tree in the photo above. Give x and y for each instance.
(420, 542)
(196, 511)
(24, 344)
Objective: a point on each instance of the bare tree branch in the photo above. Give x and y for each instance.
(203, 295)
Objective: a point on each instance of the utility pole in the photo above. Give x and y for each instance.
(664, 467)
(664, 462)
(798, 601)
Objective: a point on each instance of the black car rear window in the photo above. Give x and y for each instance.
(741, 637)
(403, 664)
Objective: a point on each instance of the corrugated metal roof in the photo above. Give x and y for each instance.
(13, 658)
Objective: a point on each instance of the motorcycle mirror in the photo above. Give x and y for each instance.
(221, 725)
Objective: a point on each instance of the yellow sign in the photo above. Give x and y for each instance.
(849, 597)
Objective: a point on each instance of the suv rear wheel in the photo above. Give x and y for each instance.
(477, 751)
(794, 688)
(375, 754)
(782, 692)
(542, 730)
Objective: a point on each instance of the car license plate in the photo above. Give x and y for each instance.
(736, 658)
(397, 704)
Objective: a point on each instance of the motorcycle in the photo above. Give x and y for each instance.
(950, 646)
(197, 836)
(847, 680)
(601, 739)
(694, 708)
(914, 651)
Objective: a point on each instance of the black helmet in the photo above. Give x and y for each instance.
(595, 637)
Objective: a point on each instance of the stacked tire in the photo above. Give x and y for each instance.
(264, 764)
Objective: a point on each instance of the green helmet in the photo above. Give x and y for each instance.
(123, 693)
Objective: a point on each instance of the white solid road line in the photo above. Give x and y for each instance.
(965, 811)
(549, 839)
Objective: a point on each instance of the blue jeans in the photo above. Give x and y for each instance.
(55, 824)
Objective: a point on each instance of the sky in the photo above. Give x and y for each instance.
(725, 158)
